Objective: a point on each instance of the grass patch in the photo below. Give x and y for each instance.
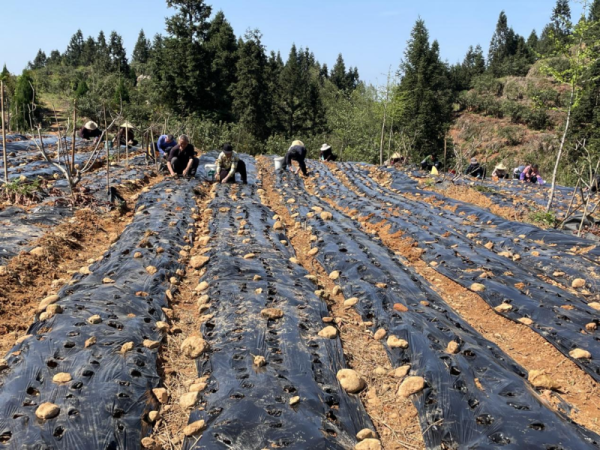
(484, 189)
(546, 219)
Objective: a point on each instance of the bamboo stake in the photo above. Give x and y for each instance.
(4, 156)
(126, 146)
(73, 142)
(107, 154)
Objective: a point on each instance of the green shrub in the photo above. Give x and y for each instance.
(545, 219)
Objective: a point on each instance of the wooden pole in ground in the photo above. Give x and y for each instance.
(4, 156)
(107, 154)
(73, 142)
(445, 155)
(126, 146)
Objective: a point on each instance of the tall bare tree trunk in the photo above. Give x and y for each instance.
(107, 153)
(4, 156)
(74, 131)
(382, 133)
(560, 150)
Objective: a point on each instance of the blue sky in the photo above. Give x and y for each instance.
(370, 34)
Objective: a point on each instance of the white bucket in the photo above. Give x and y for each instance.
(278, 162)
(210, 170)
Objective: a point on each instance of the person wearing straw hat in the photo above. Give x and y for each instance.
(296, 152)
(327, 153)
(228, 164)
(396, 158)
(501, 172)
(90, 131)
(125, 135)
(182, 158)
(475, 169)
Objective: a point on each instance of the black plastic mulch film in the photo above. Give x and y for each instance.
(477, 398)
(104, 405)
(245, 406)
(444, 239)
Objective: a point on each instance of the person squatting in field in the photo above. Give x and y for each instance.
(182, 158)
(228, 164)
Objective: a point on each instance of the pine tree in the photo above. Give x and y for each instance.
(102, 62)
(250, 96)
(533, 41)
(39, 61)
(423, 101)
(594, 15)
(74, 49)
(5, 74)
(561, 20)
(274, 68)
(89, 53)
(221, 49)
(500, 46)
(338, 74)
(55, 58)
(292, 101)
(24, 113)
(141, 51)
(118, 55)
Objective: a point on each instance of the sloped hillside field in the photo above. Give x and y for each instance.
(352, 309)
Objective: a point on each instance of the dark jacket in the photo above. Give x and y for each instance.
(297, 153)
(84, 133)
(183, 156)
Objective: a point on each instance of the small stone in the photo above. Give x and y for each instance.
(153, 416)
(162, 326)
(594, 305)
(336, 290)
(379, 334)
(250, 256)
(260, 361)
(197, 387)
(278, 225)
(198, 262)
(411, 385)
(368, 444)
(294, 260)
(540, 379)
(400, 307)
(47, 411)
(351, 301)
(91, 341)
(402, 371)
(334, 275)
(579, 353)
(312, 278)
(127, 347)
(22, 339)
(3, 364)
(503, 308)
(477, 287)
(578, 283)
(95, 319)
(453, 347)
(151, 344)
(107, 280)
(137, 255)
(313, 251)
(257, 278)
(326, 215)
(365, 433)
(149, 443)
(350, 381)
(272, 313)
(47, 301)
(61, 378)
(380, 371)
(160, 250)
(187, 401)
(291, 201)
(203, 286)
(161, 395)
(194, 428)
(151, 270)
(395, 342)
(38, 251)
(328, 332)
(54, 309)
(558, 274)
(526, 321)
(592, 326)
(3, 270)
(193, 347)
(294, 400)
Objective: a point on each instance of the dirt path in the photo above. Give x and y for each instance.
(55, 257)
(396, 419)
(525, 346)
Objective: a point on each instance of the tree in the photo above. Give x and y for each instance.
(250, 97)
(221, 49)
(39, 61)
(55, 58)
(561, 20)
(89, 53)
(292, 101)
(423, 99)
(117, 54)
(141, 51)
(74, 49)
(23, 103)
(533, 41)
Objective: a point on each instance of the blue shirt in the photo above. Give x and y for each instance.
(164, 146)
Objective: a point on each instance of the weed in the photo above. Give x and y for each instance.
(546, 219)
(484, 189)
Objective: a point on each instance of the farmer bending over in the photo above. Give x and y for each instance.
(530, 174)
(165, 143)
(297, 152)
(182, 159)
(228, 163)
(90, 130)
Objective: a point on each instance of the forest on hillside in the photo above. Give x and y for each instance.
(198, 77)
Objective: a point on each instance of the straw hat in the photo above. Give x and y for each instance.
(325, 147)
(91, 126)
(501, 167)
(473, 160)
(396, 156)
(127, 124)
(300, 143)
